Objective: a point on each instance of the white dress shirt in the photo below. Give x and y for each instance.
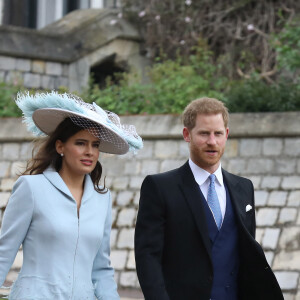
(202, 178)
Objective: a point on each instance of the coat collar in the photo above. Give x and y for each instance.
(55, 179)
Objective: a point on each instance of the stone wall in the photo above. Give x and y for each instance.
(34, 73)
(262, 147)
(63, 53)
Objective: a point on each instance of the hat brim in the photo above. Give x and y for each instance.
(47, 120)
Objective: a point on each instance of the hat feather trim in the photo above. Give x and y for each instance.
(30, 103)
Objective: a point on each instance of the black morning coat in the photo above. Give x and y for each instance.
(172, 246)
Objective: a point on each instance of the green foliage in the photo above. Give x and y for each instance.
(8, 92)
(287, 46)
(256, 96)
(124, 98)
(238, 31)
(173, 85)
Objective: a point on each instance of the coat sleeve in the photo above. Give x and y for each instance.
(149, 241)
(103, 273)
(15, 224)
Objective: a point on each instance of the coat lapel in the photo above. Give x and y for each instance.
(58, 182)
(191, 192)
(236, 194)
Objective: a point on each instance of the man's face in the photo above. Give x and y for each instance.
(207, 141)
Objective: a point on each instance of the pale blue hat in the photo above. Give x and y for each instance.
(43, 112)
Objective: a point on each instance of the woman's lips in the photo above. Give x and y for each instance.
(87, 162)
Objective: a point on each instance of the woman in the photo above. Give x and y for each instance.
(57, 210)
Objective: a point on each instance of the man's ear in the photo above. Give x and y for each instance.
(59, 146)
(227, 132)
(186, 134)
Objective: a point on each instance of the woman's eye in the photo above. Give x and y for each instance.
(96, 146)
(80, 143)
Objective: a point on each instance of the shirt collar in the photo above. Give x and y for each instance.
(201, 175)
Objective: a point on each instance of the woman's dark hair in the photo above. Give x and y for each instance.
(44, 153)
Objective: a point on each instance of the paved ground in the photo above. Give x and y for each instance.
(131, 294)
(124, 294)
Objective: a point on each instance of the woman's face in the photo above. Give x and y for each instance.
(80, 153)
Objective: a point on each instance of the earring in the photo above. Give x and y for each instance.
(61, 154)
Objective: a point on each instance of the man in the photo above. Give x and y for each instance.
(195, 233)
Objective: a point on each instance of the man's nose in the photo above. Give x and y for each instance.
(211, 139)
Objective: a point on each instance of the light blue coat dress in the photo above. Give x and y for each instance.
(64, 257)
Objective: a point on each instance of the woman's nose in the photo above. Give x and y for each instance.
(89, 149)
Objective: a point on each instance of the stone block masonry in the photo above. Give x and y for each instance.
(268, 157)
(33, 73)
(63, 54)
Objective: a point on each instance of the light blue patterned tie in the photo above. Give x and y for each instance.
(213, 201)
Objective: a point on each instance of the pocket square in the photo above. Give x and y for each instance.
(248, 207)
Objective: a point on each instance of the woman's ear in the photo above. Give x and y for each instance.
(59, 146)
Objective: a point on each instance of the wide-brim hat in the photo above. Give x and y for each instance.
(43, 112)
